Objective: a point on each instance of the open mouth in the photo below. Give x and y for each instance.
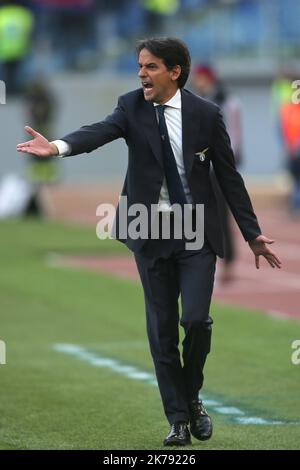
(147, 86)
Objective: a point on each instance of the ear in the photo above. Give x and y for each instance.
(175, 72)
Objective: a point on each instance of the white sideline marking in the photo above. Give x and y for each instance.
(237, 415)
(255, 420)
(229, 410)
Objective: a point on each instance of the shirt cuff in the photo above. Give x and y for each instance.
(64, 149)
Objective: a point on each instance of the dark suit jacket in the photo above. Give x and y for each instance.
(134, 119)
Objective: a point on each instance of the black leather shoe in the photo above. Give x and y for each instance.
(179, 435)
(200, 422)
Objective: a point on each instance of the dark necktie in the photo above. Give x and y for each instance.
(175, 188)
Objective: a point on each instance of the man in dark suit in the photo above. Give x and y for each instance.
(172, 136)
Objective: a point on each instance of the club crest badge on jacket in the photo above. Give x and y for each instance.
(201, 154)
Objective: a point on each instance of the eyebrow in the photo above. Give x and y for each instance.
(147, 65)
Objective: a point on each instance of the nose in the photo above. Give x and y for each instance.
(142, 72)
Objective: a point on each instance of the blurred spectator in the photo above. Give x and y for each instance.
(71, 25)
(287, 118)
(281, 93)
(156, 13)
(290, 126)
(16, 29)
(207, 85)
(281, 90)
(40, 108)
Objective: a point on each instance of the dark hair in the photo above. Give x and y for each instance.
(172, 51)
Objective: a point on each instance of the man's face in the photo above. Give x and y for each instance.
(159, 84)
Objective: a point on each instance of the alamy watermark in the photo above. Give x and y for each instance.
(137, 221)
(295, 358)
(2, 353)
(2, 92)
(296, 93)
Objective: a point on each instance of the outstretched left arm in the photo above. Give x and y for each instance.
(236, 194)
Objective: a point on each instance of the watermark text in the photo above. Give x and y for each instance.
(296, 93)
(2, 92)
(295, 358)
(2, 352)
(137, 221)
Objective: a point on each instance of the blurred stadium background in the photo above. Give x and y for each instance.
(64, 63)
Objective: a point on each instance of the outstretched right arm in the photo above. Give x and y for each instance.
(86, 139)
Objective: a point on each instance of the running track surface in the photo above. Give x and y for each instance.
(274, 291)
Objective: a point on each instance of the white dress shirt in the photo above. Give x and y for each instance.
(174, 124)
(64, 149)
(173, 119)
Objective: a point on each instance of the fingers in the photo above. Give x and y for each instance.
(274, 262)
(270, 262)
(259, 248)
(257, 261)
(274, 258)
(267, 240)
(25, 147)
(271, 258)
(28, 149)
(24, 144)
(262, 239)
(31, 131)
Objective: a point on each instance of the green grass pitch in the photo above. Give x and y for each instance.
(51, 400)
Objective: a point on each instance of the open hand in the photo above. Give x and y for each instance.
(38, 146)
(260, 248)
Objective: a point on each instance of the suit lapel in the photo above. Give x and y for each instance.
(189, 130)
(150, 127)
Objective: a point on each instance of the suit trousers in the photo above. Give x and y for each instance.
(167, 271)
